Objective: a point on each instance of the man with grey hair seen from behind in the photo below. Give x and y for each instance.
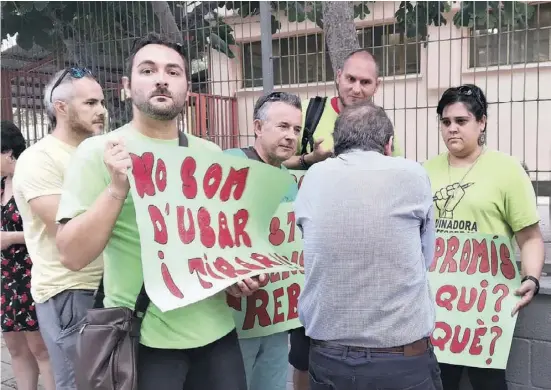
(368, 242)
(75, 105)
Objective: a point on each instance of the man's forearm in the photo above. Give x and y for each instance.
(532, 257)
(82, 239)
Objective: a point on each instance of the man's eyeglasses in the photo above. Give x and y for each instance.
(76, 73)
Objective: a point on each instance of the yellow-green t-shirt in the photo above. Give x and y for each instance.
(192, 326)
(326, 126)
(495, 197)
(40, 172)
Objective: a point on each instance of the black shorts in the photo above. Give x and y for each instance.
(300, 349)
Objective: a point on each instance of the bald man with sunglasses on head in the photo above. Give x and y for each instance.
(74, 103)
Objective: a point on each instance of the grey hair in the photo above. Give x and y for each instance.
(263, 104)
(362, 126)
(62, 92)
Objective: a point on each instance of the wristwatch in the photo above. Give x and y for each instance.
(536, 281)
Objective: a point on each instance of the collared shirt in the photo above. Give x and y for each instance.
(368, 242)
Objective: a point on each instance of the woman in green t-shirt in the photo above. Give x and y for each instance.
(483, 199)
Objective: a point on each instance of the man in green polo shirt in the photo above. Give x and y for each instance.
(358, 80)
(190, 348)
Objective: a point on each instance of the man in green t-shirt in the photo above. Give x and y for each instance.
(357, 81)
(190, 348)
(277, 119)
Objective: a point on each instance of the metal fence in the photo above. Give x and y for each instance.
(422, 48)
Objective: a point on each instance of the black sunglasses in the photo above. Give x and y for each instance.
(76, 73)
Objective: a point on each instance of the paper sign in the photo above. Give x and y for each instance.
(473, 277)
(200, 216)
(298, 176)
(274, 307)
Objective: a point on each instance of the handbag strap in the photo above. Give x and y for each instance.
(142, 301)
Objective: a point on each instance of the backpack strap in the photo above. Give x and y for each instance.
(142, 301)
(313, 116)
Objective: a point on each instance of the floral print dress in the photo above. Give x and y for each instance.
(17, 306)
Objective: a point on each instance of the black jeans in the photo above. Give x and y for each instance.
(480, 378)
(216, 366)
(344, 368)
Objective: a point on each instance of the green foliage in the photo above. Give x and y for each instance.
(110, 26)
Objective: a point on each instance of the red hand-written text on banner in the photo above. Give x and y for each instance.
(198, 221)
(274, 307)
(472, 278)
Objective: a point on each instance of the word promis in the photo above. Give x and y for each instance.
(472, 256)
(188, 226)
(277, 235)
(460, 339)
(257, 306)
(464, 299)
(148, 183)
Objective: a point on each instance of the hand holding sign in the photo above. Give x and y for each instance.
(246, 287)
(526, 291)
(117, 160)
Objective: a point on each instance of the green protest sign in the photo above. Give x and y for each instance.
(298, 175)
(473, 277)
(274, 307)
(200, 216)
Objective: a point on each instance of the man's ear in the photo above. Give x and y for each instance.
(389, 147)
(257, 126)
(61, 107)
(126, 88)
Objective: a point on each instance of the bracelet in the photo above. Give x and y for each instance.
(113, 195)
(536, 282)
(302, 161)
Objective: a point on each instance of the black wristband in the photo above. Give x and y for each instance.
(536, 281)
(302, 161)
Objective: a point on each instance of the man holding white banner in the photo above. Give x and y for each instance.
(193, 347)
(277, 124)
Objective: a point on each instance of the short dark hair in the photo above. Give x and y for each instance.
(153, 38)
(470, 95)
(265, 101)
(362, 126)
(12, 139)
(365, 51)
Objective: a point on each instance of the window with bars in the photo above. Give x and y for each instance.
(305, 59)
(513, 45)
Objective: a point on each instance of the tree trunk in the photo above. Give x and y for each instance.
(167, 21)
(339, 30)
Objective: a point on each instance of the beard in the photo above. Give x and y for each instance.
(162, 114)
(79, 127)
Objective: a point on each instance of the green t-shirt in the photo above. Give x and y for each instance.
(189, 327)
(495, 197)
(326, 126)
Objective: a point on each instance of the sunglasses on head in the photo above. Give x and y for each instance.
(468, 91)
(76, 73)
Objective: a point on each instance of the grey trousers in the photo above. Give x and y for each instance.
(60, 319)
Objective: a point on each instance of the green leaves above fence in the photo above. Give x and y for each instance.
(109, 26)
